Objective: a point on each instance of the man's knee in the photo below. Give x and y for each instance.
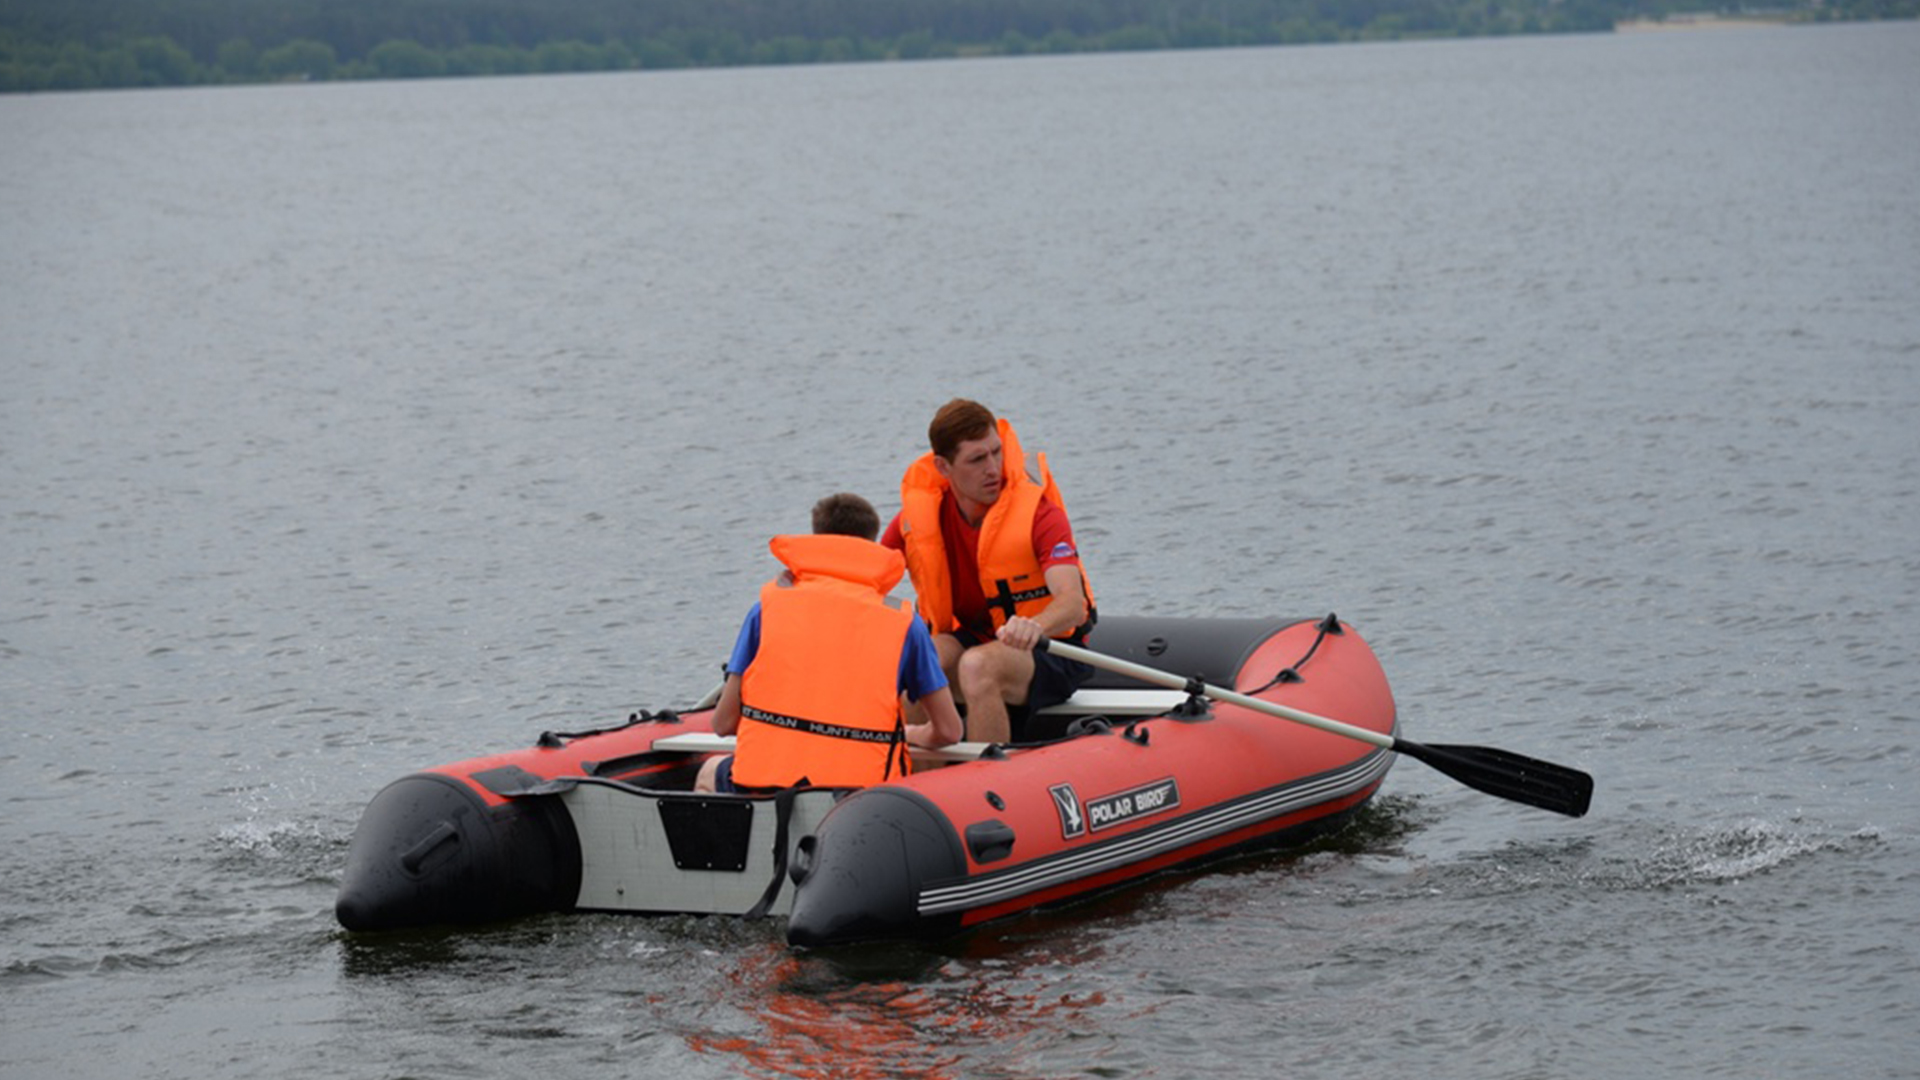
(705, 782)
(994, 668)
(977, 667)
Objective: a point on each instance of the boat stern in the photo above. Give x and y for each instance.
(429, 849)
(859, 877)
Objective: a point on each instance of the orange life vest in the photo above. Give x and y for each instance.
(820, 702)
(1010, 574)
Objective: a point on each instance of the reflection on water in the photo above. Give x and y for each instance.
(822, 1016)
(403, 952)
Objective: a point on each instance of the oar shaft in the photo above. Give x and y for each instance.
(1169, 679)
(1496, 772)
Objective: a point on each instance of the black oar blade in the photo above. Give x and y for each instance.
(1509, 775)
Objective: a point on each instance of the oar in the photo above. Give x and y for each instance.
(1496, 772)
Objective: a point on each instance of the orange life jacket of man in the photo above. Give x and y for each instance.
(1011, 577)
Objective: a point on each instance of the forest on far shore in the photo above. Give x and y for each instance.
(88, 44)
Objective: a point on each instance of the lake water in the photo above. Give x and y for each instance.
(350, 429)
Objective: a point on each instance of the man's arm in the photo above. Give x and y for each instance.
(943, 727)
(726, 711)
(1066, 610)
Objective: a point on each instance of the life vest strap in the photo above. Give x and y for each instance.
(782, 819)
(1007, 601)
(815, 727)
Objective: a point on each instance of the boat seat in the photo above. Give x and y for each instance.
(1085, 702)
(706, 742)
(1088, 701)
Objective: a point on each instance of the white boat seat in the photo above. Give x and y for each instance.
(1085, 702)
(706, 742)
(1143, 702)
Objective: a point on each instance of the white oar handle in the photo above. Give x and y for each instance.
(1217, 693)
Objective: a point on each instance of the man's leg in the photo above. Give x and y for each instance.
(991, 677)
(950, 648)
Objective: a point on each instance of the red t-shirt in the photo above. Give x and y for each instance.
(1052, 545)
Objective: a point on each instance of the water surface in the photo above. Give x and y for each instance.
(349, 429)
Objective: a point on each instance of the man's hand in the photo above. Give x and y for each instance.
(1020, 633)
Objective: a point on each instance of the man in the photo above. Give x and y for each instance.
(814, 686)
(994, 568)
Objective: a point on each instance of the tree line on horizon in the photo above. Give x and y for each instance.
(86, 44)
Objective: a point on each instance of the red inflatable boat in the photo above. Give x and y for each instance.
(1133, 779)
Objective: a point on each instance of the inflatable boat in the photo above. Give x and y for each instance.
(1125, 780)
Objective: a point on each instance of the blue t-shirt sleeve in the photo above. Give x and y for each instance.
(747, 645)
(920, 672)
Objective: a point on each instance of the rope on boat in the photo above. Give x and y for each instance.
(553, 740)
(1291, 673)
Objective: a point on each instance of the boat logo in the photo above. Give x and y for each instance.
(1072, 822)
(1122, 807)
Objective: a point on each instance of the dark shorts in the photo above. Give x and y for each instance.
(723, 781)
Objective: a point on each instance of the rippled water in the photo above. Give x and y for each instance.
(351, 429)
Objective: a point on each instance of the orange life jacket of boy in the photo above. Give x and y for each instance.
(820, 703)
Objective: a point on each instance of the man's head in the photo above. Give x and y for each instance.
(967, 451)
(958, 421)
(846, 515)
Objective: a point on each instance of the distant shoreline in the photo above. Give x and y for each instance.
(1703, 21)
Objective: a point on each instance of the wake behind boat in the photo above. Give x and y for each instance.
(1134, 779)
